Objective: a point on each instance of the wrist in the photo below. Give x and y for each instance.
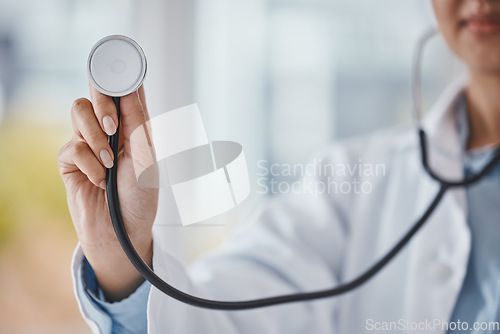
(116, 275)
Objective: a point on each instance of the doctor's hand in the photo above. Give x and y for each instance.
(82, 165)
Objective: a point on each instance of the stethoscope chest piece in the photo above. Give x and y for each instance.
(116, 66)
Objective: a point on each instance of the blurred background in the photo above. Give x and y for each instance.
(281, 77)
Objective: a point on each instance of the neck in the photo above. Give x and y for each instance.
(483, 99)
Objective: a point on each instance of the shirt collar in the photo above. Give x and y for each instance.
(475, 159)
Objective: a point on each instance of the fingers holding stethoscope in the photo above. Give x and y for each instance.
(88, 151)
(87, 128)
(133, 108)
(105, 111)
(77, 156)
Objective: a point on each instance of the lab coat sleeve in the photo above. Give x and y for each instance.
(125, 316)
(128, 315)
(97, 319)
(294, 244)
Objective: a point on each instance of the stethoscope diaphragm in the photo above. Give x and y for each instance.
(116, 65)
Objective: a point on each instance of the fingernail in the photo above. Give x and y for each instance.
(103, 185)
(106, 159)
(109, 125)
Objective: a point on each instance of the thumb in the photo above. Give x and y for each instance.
(133, 114)
(137, 138)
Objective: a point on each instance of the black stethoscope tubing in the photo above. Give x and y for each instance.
(160, 284)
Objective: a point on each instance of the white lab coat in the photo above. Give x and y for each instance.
(304, 242)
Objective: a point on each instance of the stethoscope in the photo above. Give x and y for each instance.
(117, 67)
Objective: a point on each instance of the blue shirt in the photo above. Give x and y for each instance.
(126, 316)
(479, 298)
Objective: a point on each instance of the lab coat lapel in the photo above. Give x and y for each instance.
(440, 251)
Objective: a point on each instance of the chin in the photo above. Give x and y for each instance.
(487, 66)
(483, 58)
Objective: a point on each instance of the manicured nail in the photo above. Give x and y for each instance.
(106, 159)
(109, 125)
(103, 184)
